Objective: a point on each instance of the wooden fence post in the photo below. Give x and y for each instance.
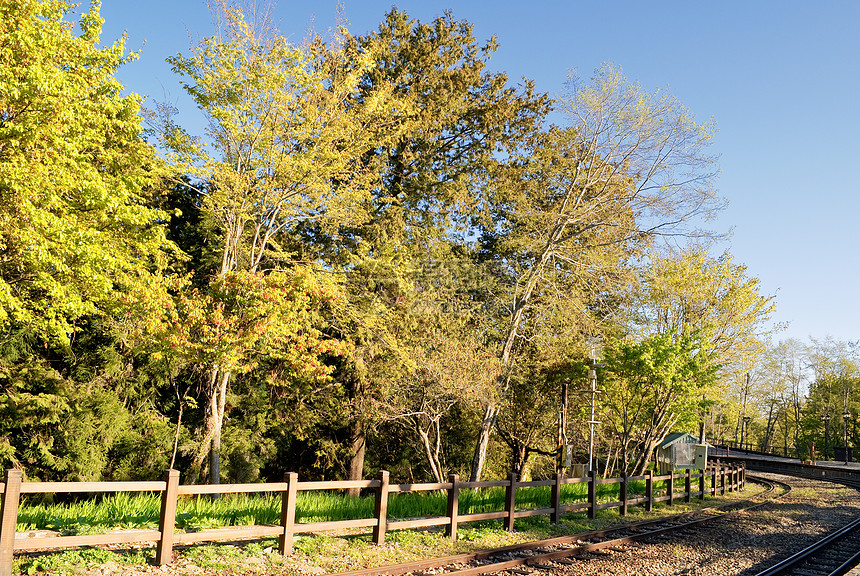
(555, 499)
(288, 513)
(453, 505)
(687, 485)
(623, 493)
(592, 495)
(167, 521)
(714, 478)
(380, 509)
(649, 491)
(510, 502)
(670, 487)
(702, 475)
(9, 515)
(722, 479)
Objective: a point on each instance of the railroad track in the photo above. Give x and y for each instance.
(833, 555)
(554, 553)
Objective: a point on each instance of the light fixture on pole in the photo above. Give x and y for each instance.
(593, 355)
(846, 416)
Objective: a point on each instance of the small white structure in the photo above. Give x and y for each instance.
(681, 450)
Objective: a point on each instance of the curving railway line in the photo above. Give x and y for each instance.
(834, 554)
(554, 553)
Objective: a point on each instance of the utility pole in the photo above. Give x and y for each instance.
(593, 353)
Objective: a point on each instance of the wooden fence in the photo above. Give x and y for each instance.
(722, 478)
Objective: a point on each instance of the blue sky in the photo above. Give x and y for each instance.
(780, 79)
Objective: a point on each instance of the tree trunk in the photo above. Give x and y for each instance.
(222, 401)
(209, 427)
(358, 449)
(221, 378)
(480, 456)
(432, 454)
(797, 414)
(612, 456)
(519, 457)
(655, 434)
(215, 459)
(745, 394)
(770, 428)
(180, 409)
(176, 438)
(217, 405)
(520, 303)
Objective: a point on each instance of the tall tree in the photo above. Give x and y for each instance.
(632, 165)
(686, 291)
(284, 145)
(653, 385)
(414, 247)
(78, 236)
(240, 322)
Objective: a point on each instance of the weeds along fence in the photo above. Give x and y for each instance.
(462, 503)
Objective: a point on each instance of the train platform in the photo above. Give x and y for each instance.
(717, 452)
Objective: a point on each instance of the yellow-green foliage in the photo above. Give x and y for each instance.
(74, 229)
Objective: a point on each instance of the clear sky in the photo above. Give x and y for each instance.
(781, 79)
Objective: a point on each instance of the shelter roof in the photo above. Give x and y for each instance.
(678, 438)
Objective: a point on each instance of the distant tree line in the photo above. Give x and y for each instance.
(796, 399)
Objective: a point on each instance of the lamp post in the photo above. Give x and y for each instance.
(744, 432)
(593, 354)
(854, 430)
(846, 416)
(826, 419)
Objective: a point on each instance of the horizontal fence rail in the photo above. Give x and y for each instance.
(722, 477)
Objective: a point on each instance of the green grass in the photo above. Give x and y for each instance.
(71, 561)
(91, 516)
